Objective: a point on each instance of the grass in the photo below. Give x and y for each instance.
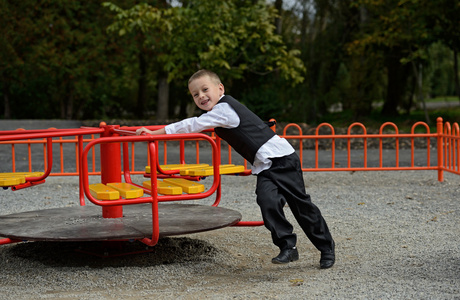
(444, 99)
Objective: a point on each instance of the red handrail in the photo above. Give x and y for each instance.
(447, 137)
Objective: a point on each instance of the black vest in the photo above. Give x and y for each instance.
(250, 134)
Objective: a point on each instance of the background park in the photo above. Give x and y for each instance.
(301, 61)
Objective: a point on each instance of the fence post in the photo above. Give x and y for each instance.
(439, 130)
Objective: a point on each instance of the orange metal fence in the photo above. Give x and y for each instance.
(322, 150)
(67, 147)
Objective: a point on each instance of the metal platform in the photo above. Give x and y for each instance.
(85, 223)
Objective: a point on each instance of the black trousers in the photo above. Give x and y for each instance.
(282, 183)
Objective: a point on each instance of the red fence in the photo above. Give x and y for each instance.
(321, 150)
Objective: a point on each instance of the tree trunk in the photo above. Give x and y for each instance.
(163, 98)
(362, 70)
(457, 82)
(6, 102)
(418, 76)
(397, 78)
(279, 7)
(412, 94)
(304, 49)
(61, 105)
(62, 109)
(69, 107)
(142, 86)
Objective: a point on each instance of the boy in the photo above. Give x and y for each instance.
(273, 159)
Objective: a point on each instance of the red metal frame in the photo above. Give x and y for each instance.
(111, 172)
(300, 137)
(111, 169)
(112, 136)
(444, 134)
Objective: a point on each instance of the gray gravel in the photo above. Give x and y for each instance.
(397, 236)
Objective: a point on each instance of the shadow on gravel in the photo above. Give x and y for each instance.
(115, 254)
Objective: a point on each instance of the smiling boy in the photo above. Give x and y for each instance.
(273, 159)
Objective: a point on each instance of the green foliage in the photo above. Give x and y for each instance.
(400, 32)
(141, 17)
(58, 60)
(439, 79)
(265, 102)
(233, 38)
(230, 37)
(90, 59)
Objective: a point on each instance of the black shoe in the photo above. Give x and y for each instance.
(327, 258)
(286, 256)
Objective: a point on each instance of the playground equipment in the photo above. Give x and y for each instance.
(120, 209)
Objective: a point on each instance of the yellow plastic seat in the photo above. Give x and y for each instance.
(189, 187)
(15, 178)
(223, 169)
(127, 190)
(102, 192)
(164, 188)
(12, 180)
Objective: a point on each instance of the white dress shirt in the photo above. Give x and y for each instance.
(223, 115)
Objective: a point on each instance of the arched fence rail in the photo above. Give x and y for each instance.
(321, 149)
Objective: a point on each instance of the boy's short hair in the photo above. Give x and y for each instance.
(203, 72)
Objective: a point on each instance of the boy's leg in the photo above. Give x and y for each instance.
(271, 204)
(287, 175)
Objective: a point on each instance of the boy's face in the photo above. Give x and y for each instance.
(205, 92)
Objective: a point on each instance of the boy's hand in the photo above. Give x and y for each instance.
(143, 129)
(155, 132)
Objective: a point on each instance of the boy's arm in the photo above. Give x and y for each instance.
(154, 132)
(222, 115)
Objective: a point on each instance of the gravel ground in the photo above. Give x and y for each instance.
(397, 236)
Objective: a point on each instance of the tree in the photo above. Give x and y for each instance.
(321, 29)
(232, 37)
(54, 58)
(15, 41)
(401, 31)
(447, 29)
(149, 28)
(69, 51)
